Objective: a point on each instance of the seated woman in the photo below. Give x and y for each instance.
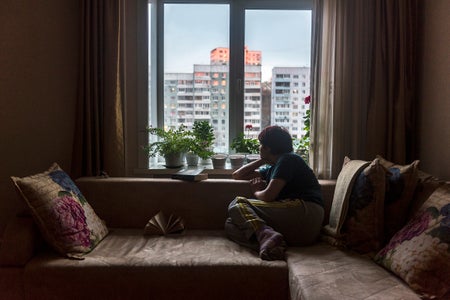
(288, 209)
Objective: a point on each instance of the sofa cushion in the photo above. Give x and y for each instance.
(323, 272)
(18, 242)
(426, 185)
(193, 265)
(420, 252)
(362, 222)
(344, 184)
(66, 220)
(402, 181)
(131, 202)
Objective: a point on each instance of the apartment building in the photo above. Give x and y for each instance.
(290, 86)
(203, 95)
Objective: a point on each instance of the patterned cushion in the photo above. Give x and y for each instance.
(364, 223)
(420, 252)
(426, 185)
(344, 184)
(402, 182)
(64, 217)
(362, 228)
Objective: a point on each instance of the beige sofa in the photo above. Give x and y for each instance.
(200, 263)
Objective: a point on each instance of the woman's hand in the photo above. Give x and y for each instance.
(271, 190)
(257, 184)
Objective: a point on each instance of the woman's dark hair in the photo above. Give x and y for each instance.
(277, 139)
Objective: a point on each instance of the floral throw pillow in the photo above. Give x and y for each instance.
(401, 184)
(420, 252)
(64, 217)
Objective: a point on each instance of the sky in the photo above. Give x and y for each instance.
(192, 31)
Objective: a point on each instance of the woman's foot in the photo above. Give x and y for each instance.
(271, 244)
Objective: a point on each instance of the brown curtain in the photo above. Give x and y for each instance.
(362, 82)
(99, 133)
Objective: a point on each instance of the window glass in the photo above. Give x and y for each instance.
(196, 55)
(193, 80)
(281, 53)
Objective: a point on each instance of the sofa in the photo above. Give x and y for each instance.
(198, 263)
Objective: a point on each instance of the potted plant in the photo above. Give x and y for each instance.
(244, 144)
(202, 139)
(244, 147)
(172, 144)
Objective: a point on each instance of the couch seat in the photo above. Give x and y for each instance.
(130, 265)
(324, 272)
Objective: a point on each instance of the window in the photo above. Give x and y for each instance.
(220, 54)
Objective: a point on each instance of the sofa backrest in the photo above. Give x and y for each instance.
(131, 202)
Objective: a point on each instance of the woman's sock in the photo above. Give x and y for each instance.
(271, 243)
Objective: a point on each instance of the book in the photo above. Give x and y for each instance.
(159, 224)
(190, 174)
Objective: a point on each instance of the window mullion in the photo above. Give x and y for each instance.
(236, 84)
(160, 64)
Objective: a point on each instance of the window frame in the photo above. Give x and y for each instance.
(135, 51)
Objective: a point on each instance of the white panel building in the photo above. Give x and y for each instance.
(290, 86)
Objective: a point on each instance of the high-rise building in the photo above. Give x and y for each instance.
(204, 95)
(221, 56)
(290, 86)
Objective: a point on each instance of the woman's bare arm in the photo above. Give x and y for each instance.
(248, 171)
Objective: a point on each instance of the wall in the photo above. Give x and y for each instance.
(39, 43)
(434, 88)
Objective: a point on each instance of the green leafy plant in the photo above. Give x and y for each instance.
(169, 141)
(203, 139)
(243, 144)
(304, 142)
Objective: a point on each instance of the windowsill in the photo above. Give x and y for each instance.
(160, 171)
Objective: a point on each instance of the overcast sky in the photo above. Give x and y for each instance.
(192, 31)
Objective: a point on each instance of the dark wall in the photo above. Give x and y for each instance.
(434, 88)
(39, 43)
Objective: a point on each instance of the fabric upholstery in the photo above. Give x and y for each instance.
(193, 265)
(426, 185)
(363, 226)
(420, 252)
(125, 202)
(11, 283)
(361, 215)
(19, 242)
(402, 181)
(62, 213)
(344, 184)
(198, 264)
(325, 272)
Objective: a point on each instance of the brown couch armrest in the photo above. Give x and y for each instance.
(20, 240)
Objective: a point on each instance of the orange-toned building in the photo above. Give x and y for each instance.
(221, 56)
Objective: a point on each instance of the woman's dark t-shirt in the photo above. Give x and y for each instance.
(301, 182)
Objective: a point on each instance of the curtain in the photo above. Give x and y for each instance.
(362, 82)
(99, 130)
